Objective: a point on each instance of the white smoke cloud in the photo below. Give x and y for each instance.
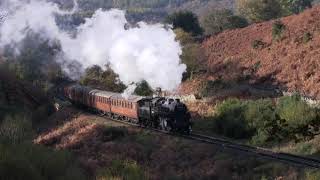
(147, 52)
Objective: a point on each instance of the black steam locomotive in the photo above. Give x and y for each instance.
(167, 114)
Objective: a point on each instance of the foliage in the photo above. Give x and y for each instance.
(128, 170)
(261, 116)
(278, 29)
(295, 111)
(307, 37)
(146, 141)
(143, 89)
(213, 86)
(42, 112)
(20, 159)
(299, 116)
(15, 129)
(36, 61)
(192, 56)
(184, 37)
(124, 4)
(113, 133)
(185, 20)
(294, 6)
(106, 79)
(258, 44)
(27, 161)
(312, 175)
(230, 120)
(256, 66)
(259, 10)
(263, 121)
(192, 53)
(219, 20)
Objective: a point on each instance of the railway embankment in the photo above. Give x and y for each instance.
(102, 145)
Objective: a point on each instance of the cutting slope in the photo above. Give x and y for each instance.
(290, 64)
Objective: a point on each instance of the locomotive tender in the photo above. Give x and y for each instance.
(162, 113)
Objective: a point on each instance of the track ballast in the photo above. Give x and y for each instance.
(256, 151)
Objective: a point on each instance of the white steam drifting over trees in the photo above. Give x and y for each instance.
(145, 52)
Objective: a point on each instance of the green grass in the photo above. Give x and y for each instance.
(21, 159)
(27, 161)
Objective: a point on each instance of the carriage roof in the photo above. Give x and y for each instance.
(108, 94)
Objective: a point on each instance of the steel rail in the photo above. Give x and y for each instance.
(227, 144)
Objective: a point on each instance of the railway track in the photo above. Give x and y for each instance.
(242, 148)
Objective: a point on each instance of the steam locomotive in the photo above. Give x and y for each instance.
(162, 113)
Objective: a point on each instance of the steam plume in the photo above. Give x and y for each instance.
(147, 52)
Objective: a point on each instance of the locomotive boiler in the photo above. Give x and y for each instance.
(159, 112)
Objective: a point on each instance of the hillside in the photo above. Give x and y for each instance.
(148, 10)
(291, 63)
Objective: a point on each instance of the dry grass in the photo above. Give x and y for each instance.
(98, 146)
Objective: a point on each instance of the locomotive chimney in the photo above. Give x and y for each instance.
(159, 92)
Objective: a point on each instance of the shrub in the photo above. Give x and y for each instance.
(143, 89)
(305, 148)
(192, 56)
(16, 129)
(27, 161)
(219, 20)
(258, 44)
(212, 86)
(256, 66)
(278, 29)
(312, 175)
(261, 116)
(307, 37)
(259, 10)
(230, 120)
(184, 37)
(128, 170)
(42, 113)
(105, 79)
(294, 6)
(295, 111)
(146, 140)
(185, 20)
(262, 121)
(113, 133)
